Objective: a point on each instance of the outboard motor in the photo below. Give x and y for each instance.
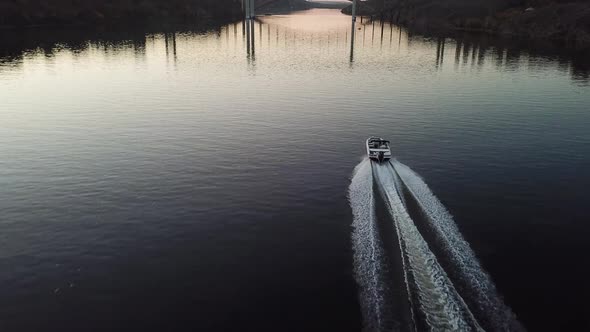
(381, 156)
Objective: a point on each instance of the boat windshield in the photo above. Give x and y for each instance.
(379, 145)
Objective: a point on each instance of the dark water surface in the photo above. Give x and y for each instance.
(172, 182)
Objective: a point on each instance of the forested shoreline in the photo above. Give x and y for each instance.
(22, 13)
(563, 20)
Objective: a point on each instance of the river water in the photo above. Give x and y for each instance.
(176, 181)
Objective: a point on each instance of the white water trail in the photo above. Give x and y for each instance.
(399, 186)
(368, 252)
(478, 283)
(440, 304)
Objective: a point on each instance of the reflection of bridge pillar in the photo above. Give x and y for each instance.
(353, 30)
(249, 11)
(440, 52)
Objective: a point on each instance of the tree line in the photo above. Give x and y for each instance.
(65, 12)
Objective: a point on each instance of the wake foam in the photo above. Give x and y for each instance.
(483, 296)
(368, 253)
(439, 304)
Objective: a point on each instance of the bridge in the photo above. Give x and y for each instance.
(262, 3)
(282, 5)
(251, 7)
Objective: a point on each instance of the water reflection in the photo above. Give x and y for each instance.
(170, 42)
(292, 34)
(250, 42)
(352, 35)
(440, 52)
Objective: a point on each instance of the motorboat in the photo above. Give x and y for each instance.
(378, 149)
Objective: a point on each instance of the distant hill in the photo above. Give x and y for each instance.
(92, 12)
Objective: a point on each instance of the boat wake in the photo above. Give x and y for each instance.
(470, 276)
(436, 302)
(368, 253)
(439, 304)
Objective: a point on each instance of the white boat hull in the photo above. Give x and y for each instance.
(378, 149)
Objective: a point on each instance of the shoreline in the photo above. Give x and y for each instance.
(567, 23)
(118, 24)
(102, 13)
